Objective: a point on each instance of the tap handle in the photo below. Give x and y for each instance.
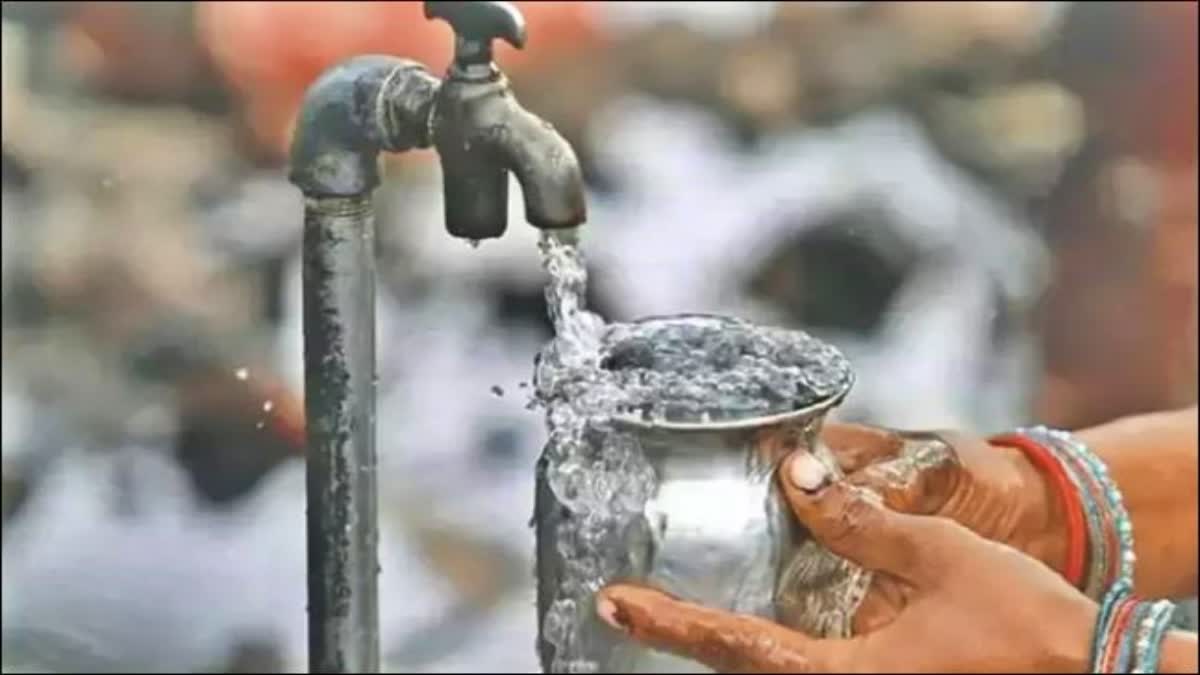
(475, 25)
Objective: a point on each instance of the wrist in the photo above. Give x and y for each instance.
(1178, 653)
(1041, 527)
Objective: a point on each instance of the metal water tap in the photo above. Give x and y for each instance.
(371, 104)
(482, 133)
(354, 111)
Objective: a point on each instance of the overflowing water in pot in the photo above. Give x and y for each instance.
(693, 370)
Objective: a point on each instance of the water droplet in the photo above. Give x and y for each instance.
(241, 373)
(260, 424)
(268, 405)
(497, 390)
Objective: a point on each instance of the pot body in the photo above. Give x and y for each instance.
(716, 531)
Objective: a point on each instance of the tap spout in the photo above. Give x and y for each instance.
(546, 167)
(481, 133)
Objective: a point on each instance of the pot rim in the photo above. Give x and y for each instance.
(812, 410)
(800, 414)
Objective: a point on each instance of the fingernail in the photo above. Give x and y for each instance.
(607, 610)
(806, 472)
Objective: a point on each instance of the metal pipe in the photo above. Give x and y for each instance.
(349, 115)
(353, 112)
(339, 380)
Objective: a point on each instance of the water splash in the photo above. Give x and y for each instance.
(693, 369)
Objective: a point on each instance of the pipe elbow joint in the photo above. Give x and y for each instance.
(350, 114)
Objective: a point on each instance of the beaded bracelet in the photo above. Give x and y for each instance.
(1054, 469)
(1105, 623)
(1102, 531)
(1116, 543)
(1129, 633)
(1151, 635)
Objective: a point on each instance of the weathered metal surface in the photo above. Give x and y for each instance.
(481, 133)
(353, 112)
(339, 374)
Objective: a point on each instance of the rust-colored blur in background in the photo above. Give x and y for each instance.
(271, 51)
(1119, 321)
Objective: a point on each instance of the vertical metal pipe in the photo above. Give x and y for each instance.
(339, 382)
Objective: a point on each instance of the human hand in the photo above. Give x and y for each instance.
(994, 491)
(966, 604)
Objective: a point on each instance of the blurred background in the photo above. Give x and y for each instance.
(991, 207)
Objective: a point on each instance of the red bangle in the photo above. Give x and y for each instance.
(1112, 546)
(1048, 464)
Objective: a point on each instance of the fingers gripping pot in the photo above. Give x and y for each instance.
(713, 529)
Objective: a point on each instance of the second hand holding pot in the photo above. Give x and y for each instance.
(933, 565)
